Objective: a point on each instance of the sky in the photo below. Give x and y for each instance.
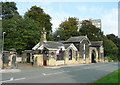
(61, 10)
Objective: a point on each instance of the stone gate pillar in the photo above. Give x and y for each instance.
(12, 61)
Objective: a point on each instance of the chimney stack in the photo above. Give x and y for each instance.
(43, 36)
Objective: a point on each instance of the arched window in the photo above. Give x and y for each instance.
(70, 54)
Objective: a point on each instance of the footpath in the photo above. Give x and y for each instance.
(26, 67)
(53, 67)
(9, 70)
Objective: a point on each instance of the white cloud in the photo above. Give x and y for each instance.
(57, 16)
(108, 17)
(110, 22)
(85, 8)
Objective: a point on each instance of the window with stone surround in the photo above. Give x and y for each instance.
(70, 54)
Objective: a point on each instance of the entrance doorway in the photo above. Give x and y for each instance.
(28, 57)
(93, 57)
(45, 63)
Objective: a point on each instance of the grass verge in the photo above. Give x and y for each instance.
(110, 79)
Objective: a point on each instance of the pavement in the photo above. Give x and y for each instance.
(9, 70)
(23, 67)
(60, 66)
(60, 74)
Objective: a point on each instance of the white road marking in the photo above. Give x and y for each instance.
(12, 79)
(20, 78)
(54, 73)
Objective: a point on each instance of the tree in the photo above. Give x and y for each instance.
(93, 33)
(9, 9)
(110, 48)
(116, 40)
(67, 29)
(10, 17)
(40, 17)
(21, 33)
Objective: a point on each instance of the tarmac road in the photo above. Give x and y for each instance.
(64, 74)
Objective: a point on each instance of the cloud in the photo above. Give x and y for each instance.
(84, 8)
(58, 15)
(109, 17)
(110, 22)
(58, 18)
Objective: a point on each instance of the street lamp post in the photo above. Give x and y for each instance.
(3, 42)
(3, 49)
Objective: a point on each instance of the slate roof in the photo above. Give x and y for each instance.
(77, 47)
(53, 45)
(25, 51)
(67, 45)
(76, 39)
(96, 43)
(49, 44)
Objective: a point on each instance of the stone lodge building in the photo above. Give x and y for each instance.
(75, 50)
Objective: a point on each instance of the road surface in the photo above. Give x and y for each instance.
(68, 74)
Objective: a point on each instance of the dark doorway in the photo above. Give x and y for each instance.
(45, 63)
(93, 57)
(28, 57)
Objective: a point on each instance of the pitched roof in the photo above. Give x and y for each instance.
(49, 45)
(76, 39)
(25, 51)
(53, 45)
(67, 45)
(36, 46)
(96, 43)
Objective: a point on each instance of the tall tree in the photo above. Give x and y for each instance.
(110, 48)
(9, 16)
(9, 9)
(21, 33)
(93, 33)
(116, 40)
(67, 29)
(43, 19)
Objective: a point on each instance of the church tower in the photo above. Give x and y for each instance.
(43, 36)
